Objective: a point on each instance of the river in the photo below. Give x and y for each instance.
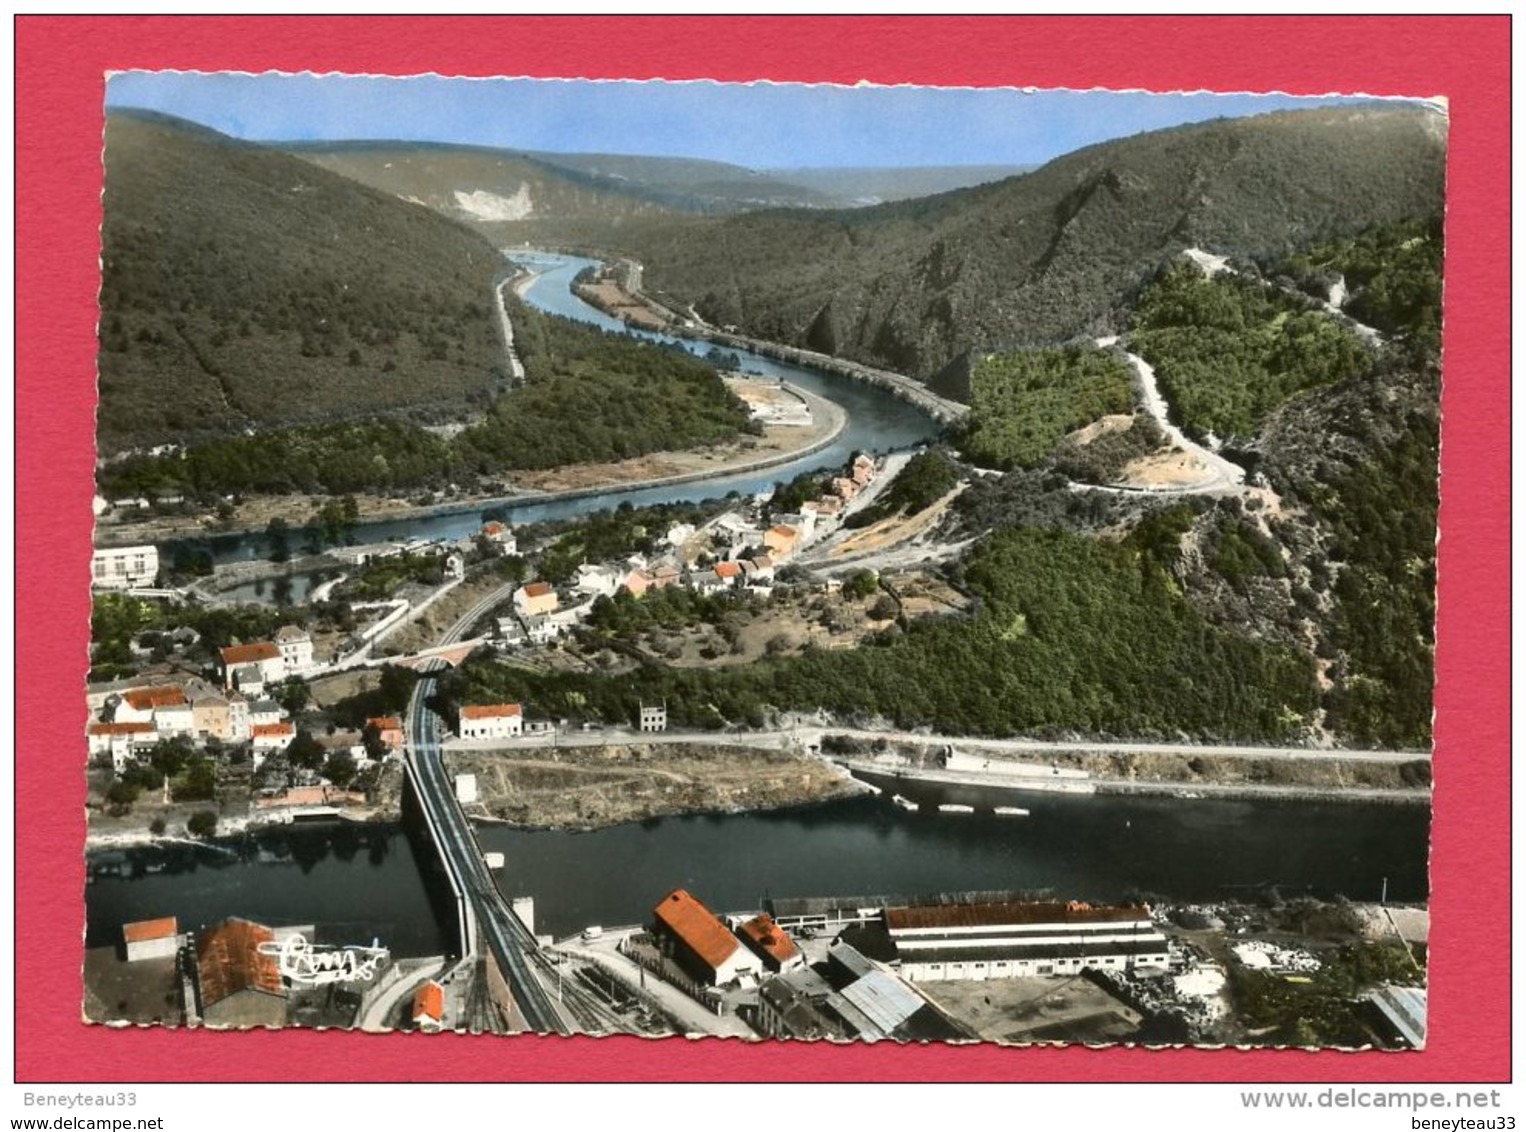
(877, 422)
(365, 882)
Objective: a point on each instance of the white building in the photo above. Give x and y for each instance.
(1019, 940)
(654, 717)
(597, 581)
(151, 939)
(491, 721)
(466, 789)
(296, 648)
(264, 656)
(124, 567)
(120, 740)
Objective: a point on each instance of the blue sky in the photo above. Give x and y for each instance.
(761, 125)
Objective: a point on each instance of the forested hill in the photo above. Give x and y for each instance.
(245, 288)
(1046, 256)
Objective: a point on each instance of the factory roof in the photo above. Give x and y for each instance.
(693, 923)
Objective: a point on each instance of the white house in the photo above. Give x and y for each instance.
(264, 656)
(174, 719)
(124, 567)
(654, 717)
(120, 741)
(541, 629)
(138, 705)
(296, 648)
(597, 581)
(491, 721)
(501, 535)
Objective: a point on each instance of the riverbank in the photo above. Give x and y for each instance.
(576, 788)
(1321, 777)
(778, 445)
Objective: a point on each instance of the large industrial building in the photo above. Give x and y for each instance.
(1014, 940)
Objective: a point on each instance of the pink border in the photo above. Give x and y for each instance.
(60, 63)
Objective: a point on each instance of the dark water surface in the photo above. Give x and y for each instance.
(1077, 847)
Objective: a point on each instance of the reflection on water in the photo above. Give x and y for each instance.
(1097, 848)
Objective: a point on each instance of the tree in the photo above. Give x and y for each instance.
(304, 751)
(203, 823)
(157, 827)
(294, 695)
(339, 768)
(278, 537)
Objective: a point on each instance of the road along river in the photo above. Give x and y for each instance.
(877, 422)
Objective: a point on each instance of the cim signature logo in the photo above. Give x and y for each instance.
(302, 962)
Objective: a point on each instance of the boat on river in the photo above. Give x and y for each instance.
(904, 803)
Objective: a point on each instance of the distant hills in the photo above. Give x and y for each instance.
(1039, 258)
(244, 288)
(479, 185)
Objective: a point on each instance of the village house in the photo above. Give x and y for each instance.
(781, 540)
(653, 717)
(844, 488)
(490, 721)
(637, 582)
(268, 737)
(175, 720)
(389, 731)
(429, 1008)
(238, 717)
(597, 581)
(455, 567)
(771, 944)
(535, 598)
(678, 534)
(151, 939)
(120, 741)
(763, 566)
(705, 581)
(729, 573)
(210, 712)
(137, 705)
(263, 656)
(501, 537)
(699, 942)
(124, 567)
(265, 712)
(541, 629)
(296, 648)
(863, 469)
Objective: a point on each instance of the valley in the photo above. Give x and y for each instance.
(568, 492)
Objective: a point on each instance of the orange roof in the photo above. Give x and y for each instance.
(782, 531)
(283, 728)
(537, 589)
(728, 569)
(150, 929)
(162, 695)
(235, 655)
(493, 528)
(768, 938)
(490, 711)
(689, 920)
(429, 1002)
(228, 960)
(121, 728)
(385, 723)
